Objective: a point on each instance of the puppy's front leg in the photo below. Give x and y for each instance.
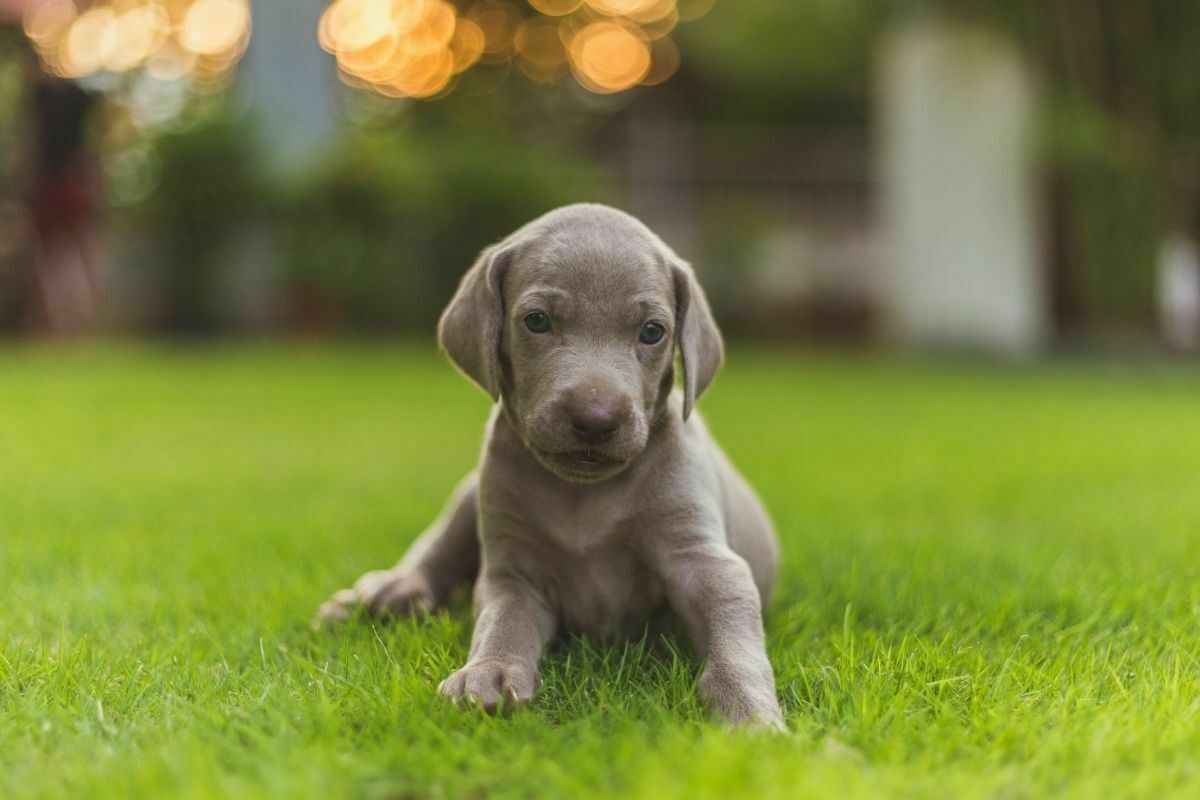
(713, 590)
(511, 623)
(443, 557)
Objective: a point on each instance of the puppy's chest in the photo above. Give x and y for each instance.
(604, 593)
(596, 581)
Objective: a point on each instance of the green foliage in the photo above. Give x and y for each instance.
(378, 238)
(13, 56)
(980, 595)
(356, 235)
(1119, 216)
(766, 61)
(1121, 96)
(1122, 126)
(209, 191)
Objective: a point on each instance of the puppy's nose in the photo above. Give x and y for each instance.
(596, 423)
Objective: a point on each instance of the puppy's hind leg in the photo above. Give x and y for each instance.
(445, 556)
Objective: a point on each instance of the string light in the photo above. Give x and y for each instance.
(399, 48)
(198, 40)
(609, 57)
(416, 48)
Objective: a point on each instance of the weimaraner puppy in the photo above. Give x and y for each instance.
(600, 498)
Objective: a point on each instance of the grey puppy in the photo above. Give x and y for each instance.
(600, 500)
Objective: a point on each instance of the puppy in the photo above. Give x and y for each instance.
(600, 498)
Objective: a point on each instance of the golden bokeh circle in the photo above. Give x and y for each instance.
(541, 54)
(654, 11)
(409, 48)
(89, 42)
(557, 8)
(498, 21)
(537, 41)
(140, 31)
(437, 25)
(694, 9)
(213, 27)
(623, 8)
(172, 62)
(365, 60)
(466, 45)
(48, 20)
(354, 24)
(609, 57)
(424, 74)
(664, 61)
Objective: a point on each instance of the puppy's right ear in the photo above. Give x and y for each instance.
(470, 328)
(700, 348)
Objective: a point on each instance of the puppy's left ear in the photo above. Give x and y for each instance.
(696, 334)
(470, 328)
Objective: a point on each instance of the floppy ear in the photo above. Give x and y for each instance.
(696, 335)
(470, 328)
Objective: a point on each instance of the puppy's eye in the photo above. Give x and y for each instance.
(537, 322)
(652, 333)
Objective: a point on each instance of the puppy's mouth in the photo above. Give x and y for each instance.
(586, 465)
(588, 458)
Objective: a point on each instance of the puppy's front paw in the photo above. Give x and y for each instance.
(743, 695)
(381, 593)
(493, 684)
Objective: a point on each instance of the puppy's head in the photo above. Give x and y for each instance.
(572, 323)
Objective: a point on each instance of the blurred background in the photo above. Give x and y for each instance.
(1008, 177)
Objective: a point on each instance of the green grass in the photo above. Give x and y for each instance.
(991, 585)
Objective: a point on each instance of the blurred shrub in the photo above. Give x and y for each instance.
(209, 191)
(742, 71)
(13, 238)
(377, 238)
(1122, 136)
(1121, 92)
(731, 239)
(1116, 197)
(372, 239)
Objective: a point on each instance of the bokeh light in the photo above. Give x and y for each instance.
(89, 42)
(418, 48)
(556, 8)
(198, 40)
(213, 27)
(694, 9)
(140, 32)
(466, 45)
(664, 61)
(499, 22)
(541, 54)
(618, 8)
(609, 57)
(400, 48)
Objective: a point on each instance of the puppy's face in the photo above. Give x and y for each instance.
(586, 351)
(572, 323)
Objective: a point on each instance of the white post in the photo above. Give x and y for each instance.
(960, 232)
(1179, 292)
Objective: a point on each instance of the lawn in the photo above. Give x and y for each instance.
(991, 585)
